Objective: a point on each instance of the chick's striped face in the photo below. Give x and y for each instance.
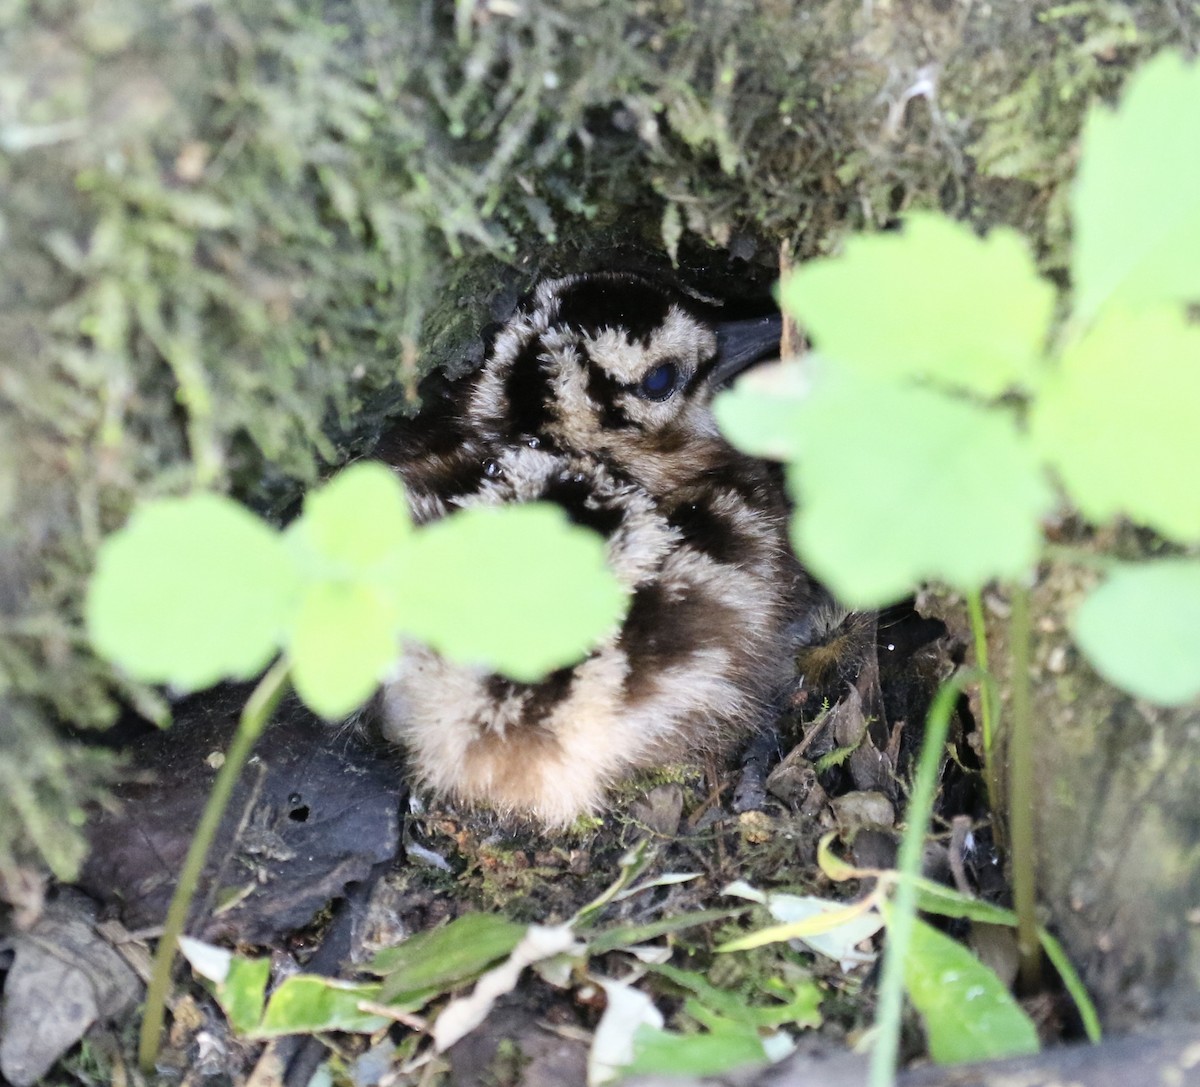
(604, 364)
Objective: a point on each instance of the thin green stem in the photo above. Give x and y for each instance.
(257, 712)
(979, 633)
(1021, 796)
(989, 710)
(903, 910)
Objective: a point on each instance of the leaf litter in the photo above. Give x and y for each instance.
(669, 963)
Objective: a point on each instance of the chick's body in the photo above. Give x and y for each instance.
(596, 396)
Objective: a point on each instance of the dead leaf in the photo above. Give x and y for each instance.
(63, 979)
(462, 1016)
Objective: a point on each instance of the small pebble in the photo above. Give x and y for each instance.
(864, 809)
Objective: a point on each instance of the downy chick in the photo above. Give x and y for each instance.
(596, 396)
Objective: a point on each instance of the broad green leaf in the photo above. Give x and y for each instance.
(946, 902)
(898, 484)
(238, 983)
(307, 1003)
(355, 521)
(349, 543)
(242, 995)
(1136, 202)
(968, 1013)
(434, 962)
(1119, 421)
(1141, 630)
(935, 301)
(663, 1052)
(761, 413)
(343, 641)
(191, 591)
(518, 589)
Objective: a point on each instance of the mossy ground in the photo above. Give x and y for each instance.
(234, 235)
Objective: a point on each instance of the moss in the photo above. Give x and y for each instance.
(45, 785)
(234, 236)
(667, 774)
(507, 1065)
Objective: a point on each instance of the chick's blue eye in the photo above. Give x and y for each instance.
(660, 382)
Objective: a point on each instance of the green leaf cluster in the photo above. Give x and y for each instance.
(926, 437)
(197, 589)
(747, 1023)
(735, 1032)
(412, 974)
(968, 1013)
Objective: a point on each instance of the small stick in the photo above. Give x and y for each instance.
(790, 340)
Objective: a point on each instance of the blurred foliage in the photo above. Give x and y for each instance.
(232, 236)
(45, 785)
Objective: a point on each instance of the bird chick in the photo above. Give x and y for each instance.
(596, 396)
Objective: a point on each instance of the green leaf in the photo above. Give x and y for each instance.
(896, 485)
(946, 902)
(1141, 630)
(464, 1013)
(356, 521)
(350, 544)
(761, 413)
(1118, 421)
(238, 983)
(969, 1015)
(434, 962)
(935, 301)
(191, 591)
(1136, 202)
(518, 589)
(307, 1003)
(624, 936)
(664, 1052)
(242, 995)
(343, 641)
